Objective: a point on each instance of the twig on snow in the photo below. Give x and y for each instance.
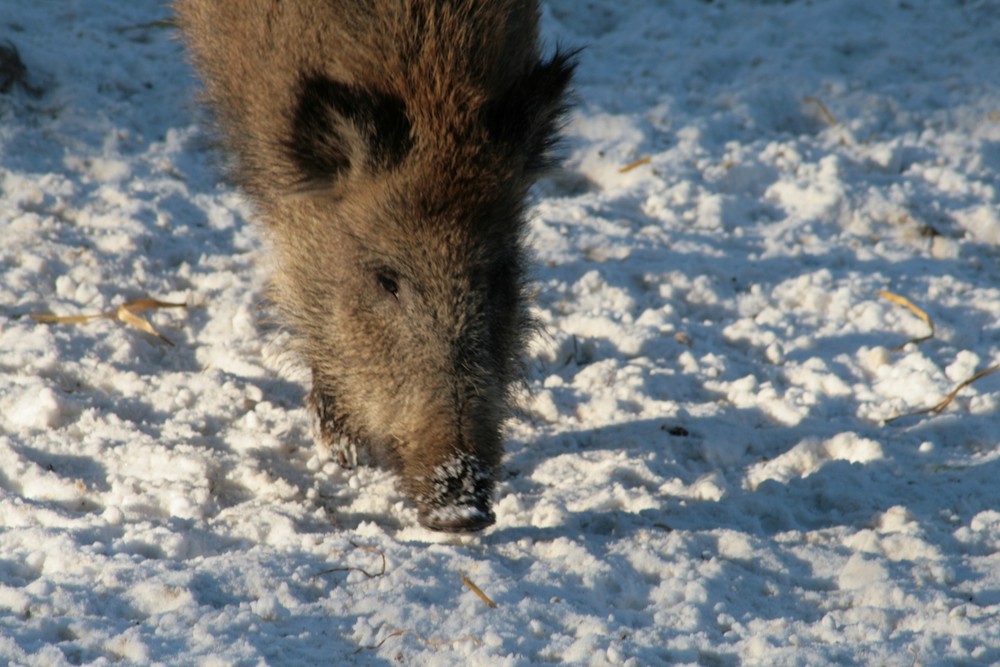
(475, 589)
(632, 165)
(939, 407)
(348, 568)
(158, 23)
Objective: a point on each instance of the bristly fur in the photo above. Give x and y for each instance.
(388, 146)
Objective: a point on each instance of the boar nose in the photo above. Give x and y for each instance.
(458, 518)
(458, 495)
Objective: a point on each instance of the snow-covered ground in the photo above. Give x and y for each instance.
(702, 474)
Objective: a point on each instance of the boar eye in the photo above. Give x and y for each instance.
(389, 282)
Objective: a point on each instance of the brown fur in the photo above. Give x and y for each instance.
(388, 146)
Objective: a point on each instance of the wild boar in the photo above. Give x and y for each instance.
(388, 147)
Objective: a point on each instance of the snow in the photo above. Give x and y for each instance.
(701, 473)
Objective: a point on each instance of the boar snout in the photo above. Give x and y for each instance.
(458, 496)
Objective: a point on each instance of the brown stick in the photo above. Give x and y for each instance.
(475, 589)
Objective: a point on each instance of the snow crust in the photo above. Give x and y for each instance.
(701, 473)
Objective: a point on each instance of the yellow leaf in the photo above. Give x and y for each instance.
(906, 303)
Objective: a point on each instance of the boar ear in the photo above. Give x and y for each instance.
(337, 126)
(527, 117)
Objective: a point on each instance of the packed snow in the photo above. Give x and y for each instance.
(724, 453)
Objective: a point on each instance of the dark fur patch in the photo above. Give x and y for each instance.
(320, 147)
(526, 117)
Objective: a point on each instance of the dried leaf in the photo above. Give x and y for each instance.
(906, 303)
(132, 319)
(946, 401)
(632, 165)
(127, 313)
(827, 115)
(67, 319)
(475, 589)
(142, 305)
